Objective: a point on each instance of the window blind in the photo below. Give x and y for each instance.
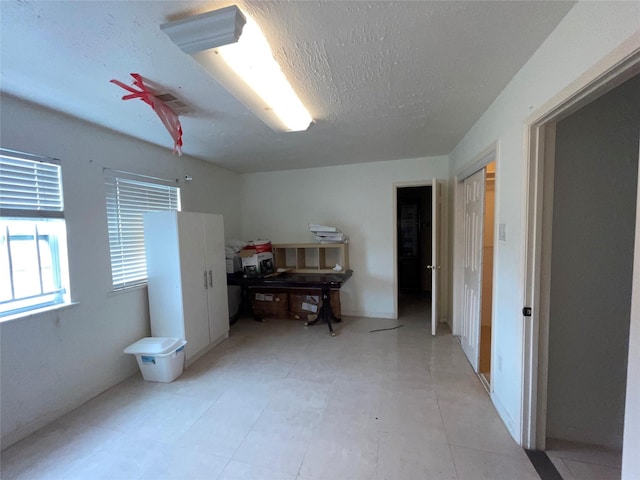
(30, 186)
(127, 200)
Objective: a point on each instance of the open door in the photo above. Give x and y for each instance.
(436, 200)
(473, 208)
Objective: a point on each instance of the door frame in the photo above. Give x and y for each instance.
(539, 152)
(394, 208)
(484, 158)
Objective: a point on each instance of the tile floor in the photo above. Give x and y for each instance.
(575, 461)
(278, 401)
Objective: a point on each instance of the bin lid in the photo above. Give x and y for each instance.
(154, 345)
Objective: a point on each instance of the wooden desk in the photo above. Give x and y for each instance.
(324, 282)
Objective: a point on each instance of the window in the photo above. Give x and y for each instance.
(128, 197)
(33, 249)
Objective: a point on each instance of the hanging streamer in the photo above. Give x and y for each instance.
(168, 116)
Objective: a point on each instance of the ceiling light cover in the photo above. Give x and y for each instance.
(248, 70)
(207, 30)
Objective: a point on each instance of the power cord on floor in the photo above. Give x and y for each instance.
(384, 329)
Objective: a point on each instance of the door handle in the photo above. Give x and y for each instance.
(205, 280)
(433, 267)
(210, 279)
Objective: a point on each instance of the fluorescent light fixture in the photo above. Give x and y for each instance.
(246, 67)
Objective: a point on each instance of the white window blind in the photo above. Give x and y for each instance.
(128, 197)
(30, 186)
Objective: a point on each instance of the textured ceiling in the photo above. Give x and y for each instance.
(382, 80)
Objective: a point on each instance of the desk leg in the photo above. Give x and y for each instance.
(326, 312)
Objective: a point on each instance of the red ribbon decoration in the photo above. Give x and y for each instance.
(168, 116)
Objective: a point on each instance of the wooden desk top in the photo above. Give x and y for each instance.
(292, 280)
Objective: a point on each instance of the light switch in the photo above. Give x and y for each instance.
(502, 232)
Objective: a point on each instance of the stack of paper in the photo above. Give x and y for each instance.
(328, 234)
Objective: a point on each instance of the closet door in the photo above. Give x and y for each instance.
(194, 282)
(473, 226)
(217, 302)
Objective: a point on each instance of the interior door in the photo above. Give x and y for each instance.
(217, 302)
(436, 202)
(473, 226)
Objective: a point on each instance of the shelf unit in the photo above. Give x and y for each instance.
(311, 257)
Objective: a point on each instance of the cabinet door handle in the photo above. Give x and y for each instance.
(205, 280)
(210, 279)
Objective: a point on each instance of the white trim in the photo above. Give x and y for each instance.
(395, 187)
(369, 314)
(612, 70)
(481, 160)
(38, 311)
(108, 172)
(27, 429)
(394, 246)
(458, 255)
(413, 183)
(616, 67)
(504, 414)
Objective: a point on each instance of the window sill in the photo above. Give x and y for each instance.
(38, 311)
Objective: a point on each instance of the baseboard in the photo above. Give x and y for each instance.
(367, 314)
(21, 433)
(502, 412)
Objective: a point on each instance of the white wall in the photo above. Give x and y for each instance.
(359, 199)
(594, 200)
(53, 362)
(589, 32)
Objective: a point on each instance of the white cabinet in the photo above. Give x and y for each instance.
(187, 280)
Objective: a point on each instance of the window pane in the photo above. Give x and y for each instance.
(5, 277)
(24, 260)
(35, 269)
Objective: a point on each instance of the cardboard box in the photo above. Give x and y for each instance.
(269, 304)
(305, 304)
(335, 303)
(304, 307)
(255, 264)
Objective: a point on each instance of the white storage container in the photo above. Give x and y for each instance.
(160, 359)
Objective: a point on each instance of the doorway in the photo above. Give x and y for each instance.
(473, 262)
(486, 307)
(591, 268)
(414, 224)
(571, 201)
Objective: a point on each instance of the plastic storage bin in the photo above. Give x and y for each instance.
(160, 359)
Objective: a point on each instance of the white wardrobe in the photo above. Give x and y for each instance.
(187, 279)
